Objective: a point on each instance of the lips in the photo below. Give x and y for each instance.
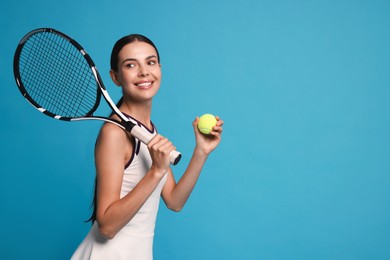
(144, 84)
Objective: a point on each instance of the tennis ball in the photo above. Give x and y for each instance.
(206, 123)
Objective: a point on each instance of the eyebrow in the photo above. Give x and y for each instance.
(147, 58)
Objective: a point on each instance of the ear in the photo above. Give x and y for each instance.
(114, 77)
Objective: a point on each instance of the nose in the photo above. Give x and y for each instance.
(143, 71)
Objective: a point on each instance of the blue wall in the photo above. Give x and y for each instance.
(303, 86)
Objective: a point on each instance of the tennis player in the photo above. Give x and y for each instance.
(131, 176)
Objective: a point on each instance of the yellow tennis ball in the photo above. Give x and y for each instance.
(206, 123)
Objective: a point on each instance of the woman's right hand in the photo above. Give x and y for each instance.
(160, 149)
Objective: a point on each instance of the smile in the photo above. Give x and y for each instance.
(145, 84)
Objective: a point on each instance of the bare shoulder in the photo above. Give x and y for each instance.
(113, 149)
(109, 130)
(111, 135)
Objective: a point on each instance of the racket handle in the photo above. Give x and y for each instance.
(144, 136)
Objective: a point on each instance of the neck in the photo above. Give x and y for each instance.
(140, 111)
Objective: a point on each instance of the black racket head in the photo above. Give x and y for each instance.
(56, 75)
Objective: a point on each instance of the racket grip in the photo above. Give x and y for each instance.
(145, 137)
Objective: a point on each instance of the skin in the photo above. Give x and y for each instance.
(139, 75)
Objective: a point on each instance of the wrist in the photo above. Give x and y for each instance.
(200, 153)
(157, 172)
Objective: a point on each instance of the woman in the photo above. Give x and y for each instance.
(131, 176)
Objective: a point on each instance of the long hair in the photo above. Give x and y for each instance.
(114, 66)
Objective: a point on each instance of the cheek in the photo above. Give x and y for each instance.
(126, 77)
(156, 71)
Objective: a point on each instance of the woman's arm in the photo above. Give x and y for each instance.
(113, 150)
(176, 195)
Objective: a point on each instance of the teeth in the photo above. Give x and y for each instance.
(145, 84)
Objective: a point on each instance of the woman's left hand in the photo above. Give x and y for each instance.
(207, 143)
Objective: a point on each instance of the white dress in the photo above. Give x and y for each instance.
(135, 240)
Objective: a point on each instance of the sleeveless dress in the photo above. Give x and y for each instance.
(135, 240)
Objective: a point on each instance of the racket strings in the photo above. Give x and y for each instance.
(57, 76)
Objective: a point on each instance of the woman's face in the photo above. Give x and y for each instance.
(139, 71)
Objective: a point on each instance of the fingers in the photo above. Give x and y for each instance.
(218, 128)
(160, 149)
(161, 145)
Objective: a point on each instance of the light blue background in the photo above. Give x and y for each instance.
(303, 87)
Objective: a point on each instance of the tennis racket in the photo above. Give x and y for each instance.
(57, 76)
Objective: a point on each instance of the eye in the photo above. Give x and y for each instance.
(130, 65)
(152, 62)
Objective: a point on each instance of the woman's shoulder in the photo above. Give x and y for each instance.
(113, 140)
(112, 133)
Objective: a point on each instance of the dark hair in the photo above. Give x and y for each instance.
(114, 66)
(124, 41)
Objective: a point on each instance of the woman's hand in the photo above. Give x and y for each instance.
(207, 143)
(160, 149)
